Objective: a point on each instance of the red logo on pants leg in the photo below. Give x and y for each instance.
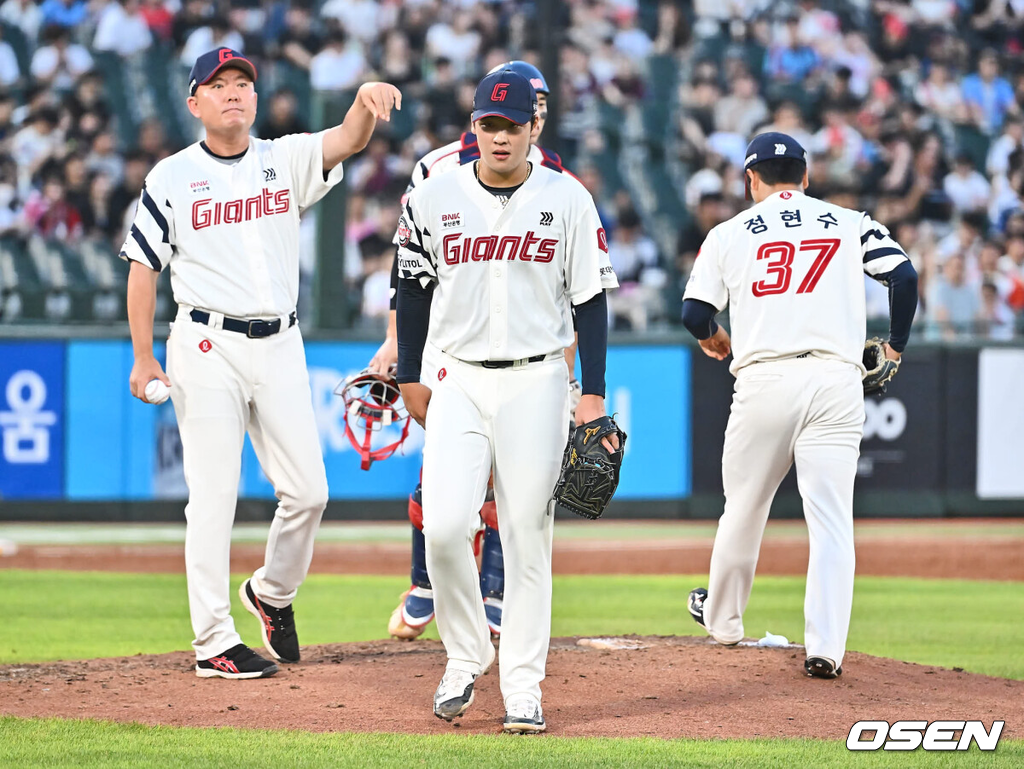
(441, 375)
(205, 345)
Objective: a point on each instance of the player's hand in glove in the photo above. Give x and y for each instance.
(882, 362)
(590, 409)
(590, 466)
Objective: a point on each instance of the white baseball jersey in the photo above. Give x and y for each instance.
(790, 270)
(229, 230)
(506, 276)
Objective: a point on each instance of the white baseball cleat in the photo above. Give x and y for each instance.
(523, 715)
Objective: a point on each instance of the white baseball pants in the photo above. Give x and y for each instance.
(812, 411)
(511, 420)
(224, 383)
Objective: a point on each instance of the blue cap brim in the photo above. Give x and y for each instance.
(516, 116)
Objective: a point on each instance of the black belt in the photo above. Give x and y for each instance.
(507, 363)
(254, 329)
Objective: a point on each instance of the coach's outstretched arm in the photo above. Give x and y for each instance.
(373, 101)
(141, 311)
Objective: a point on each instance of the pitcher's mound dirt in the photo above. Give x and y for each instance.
(668, 687)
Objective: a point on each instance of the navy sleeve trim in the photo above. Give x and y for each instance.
(592, 329)
(878, 253)
(154, 211)
(413, 321)
(902, 283)
(144, 245)
(872, 234)
(699, 318)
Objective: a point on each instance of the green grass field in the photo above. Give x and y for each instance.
(926, 621)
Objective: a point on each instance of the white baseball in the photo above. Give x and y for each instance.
(157, 392)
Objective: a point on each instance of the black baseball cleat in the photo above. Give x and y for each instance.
(695, 603)
(822, 667)
(277, 625)
(237, 662)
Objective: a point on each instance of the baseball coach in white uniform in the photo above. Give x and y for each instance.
(494, 257)
(790, 270)
(223, 215)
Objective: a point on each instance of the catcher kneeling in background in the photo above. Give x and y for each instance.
(790, 270)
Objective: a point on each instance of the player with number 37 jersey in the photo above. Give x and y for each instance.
(790, 270)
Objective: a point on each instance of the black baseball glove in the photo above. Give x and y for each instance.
(589, 473)
(880, 370)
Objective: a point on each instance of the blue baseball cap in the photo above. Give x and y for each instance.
(528, 71)
(505, 94)
(773, 145)
(212, 62)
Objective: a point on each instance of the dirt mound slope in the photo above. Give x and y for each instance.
(661, 686)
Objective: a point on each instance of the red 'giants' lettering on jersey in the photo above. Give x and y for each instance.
(459, 249)
(206, 213)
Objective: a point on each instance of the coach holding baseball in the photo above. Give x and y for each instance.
(223, 215)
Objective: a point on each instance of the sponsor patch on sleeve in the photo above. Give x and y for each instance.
(602, 240)
(404, 233)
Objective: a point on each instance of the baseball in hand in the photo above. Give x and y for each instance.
(157, 392)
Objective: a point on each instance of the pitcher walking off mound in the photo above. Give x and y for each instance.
(223, 214)
(494, 257)
(790, 270)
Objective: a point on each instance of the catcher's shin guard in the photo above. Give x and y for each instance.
(416, 608)
(492, 579)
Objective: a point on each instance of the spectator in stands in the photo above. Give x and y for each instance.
(64, 13)
(940, 95)
(954, 303)
(995, 319)
(10, 207)
(35, 144)
(124, 198)
(397, 64)
(376, 168)
(76, 187)
(631, 40)
(300, 41)
(158, 18)
(444, 118)
(1012, 139)
(966, 188)
(339, 65)
(742, 109)
(361, 19)
(59, 61)
(153, 140)
(378, 253)
(103, 156)
(989, 96)
(635, 259)
(965, 240)
(102, 222)
(193, 15)
(122, 29)
(24, 15)
(455, 40)
(711, 211)
(7, 127)
(216, 34)
(839, 148)
(788, 60)
(48, 212)
(282, 116)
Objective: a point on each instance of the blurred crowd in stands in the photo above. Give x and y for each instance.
(909, 109)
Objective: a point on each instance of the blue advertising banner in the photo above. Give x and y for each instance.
(32, 420)
(122, 449)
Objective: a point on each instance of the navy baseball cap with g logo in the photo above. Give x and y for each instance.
(212, 62)
(772, 145)
(505, 94)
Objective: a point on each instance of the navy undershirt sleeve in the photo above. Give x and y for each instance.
(592, 329)
(699, 318)
(413, 320)
(394, 281)
(902, 283)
